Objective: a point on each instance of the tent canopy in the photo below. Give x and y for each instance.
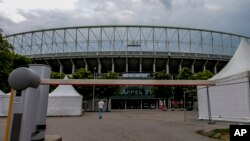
(1, 92)
(238, 64)
(64, 101)
(65, 90)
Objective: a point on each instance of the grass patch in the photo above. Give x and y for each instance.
(221, 134)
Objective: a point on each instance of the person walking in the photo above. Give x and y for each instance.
(100, 106)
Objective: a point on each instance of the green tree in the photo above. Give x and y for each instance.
(108, 91)
(85, 91)
(83, 74)
(20, 61)
(204, 75)
(184, 74)
(6, 63)
(162, 91)
(57, 75)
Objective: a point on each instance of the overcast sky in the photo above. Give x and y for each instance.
(222, 15)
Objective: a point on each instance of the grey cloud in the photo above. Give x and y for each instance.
(227, 16)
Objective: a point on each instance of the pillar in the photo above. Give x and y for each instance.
(61, 66)
(204, 66)
(126, 64)
(215, 67)
(180, 66)
(154, 65)
(86, 64)
(140, 65)
(167, 66)
(193, 66)
(73, 66)
(99, 66)
(113, 65)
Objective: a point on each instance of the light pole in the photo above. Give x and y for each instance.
(93, 101)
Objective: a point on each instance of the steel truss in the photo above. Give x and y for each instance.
(124, 40)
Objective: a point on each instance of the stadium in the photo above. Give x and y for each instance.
(131, 50)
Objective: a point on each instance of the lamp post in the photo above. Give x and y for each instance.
(93, 101)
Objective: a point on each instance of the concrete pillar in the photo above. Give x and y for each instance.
(204, 66)
(73, 66)
(154, 65)
(46, 61)
(126, 64)
(193, 66)
(167, 66)
(86, 64)
(180, 66)
(99, 66)
(113, 65)
(61, 66)
(215, 67)
(140, 65)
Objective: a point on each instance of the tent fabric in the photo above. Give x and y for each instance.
(239, 62)
(64, 101)
(4, 103)
(230, 97)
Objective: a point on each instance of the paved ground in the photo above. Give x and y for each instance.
(130, 125)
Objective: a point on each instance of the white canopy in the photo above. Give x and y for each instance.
(64, 101)
(4, 103)
(238, 64)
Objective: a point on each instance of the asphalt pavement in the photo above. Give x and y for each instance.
(129, 125)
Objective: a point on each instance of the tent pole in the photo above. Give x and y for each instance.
(210, 120)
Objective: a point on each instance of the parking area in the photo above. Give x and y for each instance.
(129, 125)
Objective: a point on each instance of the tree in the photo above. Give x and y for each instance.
(108, 91)
(20, 61)
(184, 74)
(85, 91)
(83, 74)
(6, 62)
(204, 75)
(162, 91)
(57, 75)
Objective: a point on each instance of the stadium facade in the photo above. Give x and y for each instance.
(134, 51)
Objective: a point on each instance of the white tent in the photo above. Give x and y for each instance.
(230, 98)
(64, 101)
(4, 103)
